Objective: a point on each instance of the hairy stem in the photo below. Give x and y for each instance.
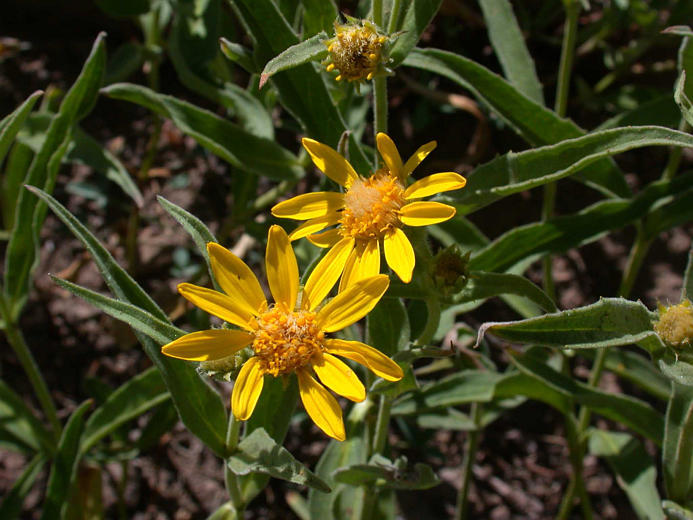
(470, 450)
(230, 479)
(16, 340)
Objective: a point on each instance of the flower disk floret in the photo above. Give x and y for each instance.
(286, 338)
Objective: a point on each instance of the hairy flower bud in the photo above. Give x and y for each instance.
(357, 51)
(675, 324)
(451, 270)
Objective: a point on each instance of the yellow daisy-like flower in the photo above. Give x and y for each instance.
(355, 52)
(372, 211)
(285, 337)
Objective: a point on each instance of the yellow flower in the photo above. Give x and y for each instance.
(285, 337)
(355, 52)
(372, 211)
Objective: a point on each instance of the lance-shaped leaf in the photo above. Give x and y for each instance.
(677, 453)
(258, 452)
(417, 16)
(562, 233)
(675, 511)
(515, 172)
(634, 468)
(11, 505)
(198, 405)
(533, 121)
(483, 285)
(238, 54)
(65, 464)
(131, 400)
(12, 123)
(311, 49)
(682, 99)
(387, 474)
(248, 152)
(509, 44)
(318, 15)
(609, 322)
(19, 421)
(21, 258)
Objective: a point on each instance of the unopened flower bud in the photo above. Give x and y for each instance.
(451, 270)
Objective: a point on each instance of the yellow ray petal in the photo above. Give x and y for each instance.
(416, 158)
(326, 274)
(425, 213)
(399, 254)
(321, 406)
(353, 304)
(326, 239)
(247, 389)
(218, 304)
(314, 225)
(281, 267)
(309, 205)
(373, 359)
(330, 162)
(436, 183)
(236, 278)
(363, 262)
(339, 378)
(389, 152)
(208, 345)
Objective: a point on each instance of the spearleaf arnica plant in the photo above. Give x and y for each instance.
(227, 294)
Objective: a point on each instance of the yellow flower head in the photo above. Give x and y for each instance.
(675, 324)
(356, 51)
(372, 210)
(286, 337)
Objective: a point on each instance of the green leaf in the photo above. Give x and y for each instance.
(636, 368)
(18, 420)
(132, 399)
(12, 123)
(318, 15)
(633, 413)
(248, 152)
(446, 419)
(21, 259)
(388, 326)
(509, 44)
(483, 285)
(680, 30)
(11, 505)
(259, 453)
(608, 323)
(198, 405)
(312, 49)
(200, 233)
(417, 15)
(384, 473)
(675, 511)
(122, 8)
(562, 233)
(687, 290)
(677, 452)
(11, 182)
(515, 172)
(534, 122)
(239, 55)
(65, 462)
(302, 90)
(678, 367)
(634, 468)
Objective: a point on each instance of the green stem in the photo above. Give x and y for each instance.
(470, 450)
(382, 424)
(16, 340)
(432, 319)
(562, 89)
(230, 478)
(577, 483)
(378, 12)
(394, 16)
(675, 155)
(379, 110)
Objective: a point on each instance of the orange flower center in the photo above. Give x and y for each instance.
(286, 340)
(372, 206)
